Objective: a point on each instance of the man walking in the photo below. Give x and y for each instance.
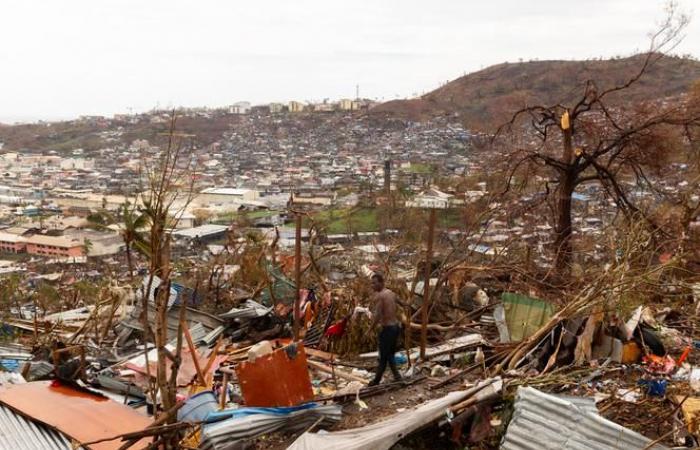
(385, 314)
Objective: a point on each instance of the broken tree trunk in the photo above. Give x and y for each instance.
(426, 284)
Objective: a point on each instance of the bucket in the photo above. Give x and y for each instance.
(197, 407)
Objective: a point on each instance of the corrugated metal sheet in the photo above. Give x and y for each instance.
(15, 351)
(211, 337)
(544, 421)
(383, 435)
(197, 332)
(194, 316)
(250, 310)
(75, 413)
(38, 369)
(223, 435)
(17, 432)
(7, 378)
(448, 346)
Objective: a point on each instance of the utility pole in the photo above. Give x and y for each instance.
(297, 276)
(426, 284)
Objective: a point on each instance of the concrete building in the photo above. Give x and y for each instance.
(432, 198)
(240, 108)
(202, 233)
(345, 104)
(54, 246)
(101, 243)
(296, 106)
(12, 243)
(226, 196)
(184, 219)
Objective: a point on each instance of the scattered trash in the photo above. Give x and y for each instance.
(694, 379)
(628, 395)
(659, 365)
(691, 413)
(655, 388)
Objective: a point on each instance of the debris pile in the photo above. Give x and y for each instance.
(499, 368)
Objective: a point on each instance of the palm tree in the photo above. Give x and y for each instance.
(87, 247)
(130, 220)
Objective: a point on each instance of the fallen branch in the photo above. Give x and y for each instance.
(341, 374)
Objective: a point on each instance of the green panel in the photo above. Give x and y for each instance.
(525, 315)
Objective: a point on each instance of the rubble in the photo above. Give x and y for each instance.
(219, 336)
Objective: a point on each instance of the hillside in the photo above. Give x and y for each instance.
(92, 135)
(486, 98)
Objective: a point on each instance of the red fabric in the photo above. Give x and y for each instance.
(337, 329)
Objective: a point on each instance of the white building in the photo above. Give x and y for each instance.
(240, 108)
(226, 196)
(432, 198)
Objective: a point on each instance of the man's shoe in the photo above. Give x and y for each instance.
(373, 383)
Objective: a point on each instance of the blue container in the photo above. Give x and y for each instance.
(197, 407)
(400, 358)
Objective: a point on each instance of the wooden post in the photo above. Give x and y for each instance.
(426, 284)
(335, 380)
(297, 276)
(193, 351)
(224, 389)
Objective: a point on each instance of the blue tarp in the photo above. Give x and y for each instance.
(11, 365)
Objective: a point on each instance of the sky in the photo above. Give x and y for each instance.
(62, 59)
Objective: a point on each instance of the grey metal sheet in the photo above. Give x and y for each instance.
(17, 432)
(543, 421)
(39, 369)
(221, 435)
(383, 435)
(250, 310)
(193, 317)
(211, 337)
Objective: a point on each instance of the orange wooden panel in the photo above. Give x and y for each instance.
(77, 414)
(280, 378)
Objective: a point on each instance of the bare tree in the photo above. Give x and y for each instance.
(169, 189)
(592, 140)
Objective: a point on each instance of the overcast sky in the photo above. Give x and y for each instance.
(60, 59)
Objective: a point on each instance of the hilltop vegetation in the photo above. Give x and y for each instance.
(488, 97)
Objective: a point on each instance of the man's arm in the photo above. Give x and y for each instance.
(400, 302)
(378, 311)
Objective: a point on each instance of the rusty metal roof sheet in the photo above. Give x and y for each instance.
(80, 415)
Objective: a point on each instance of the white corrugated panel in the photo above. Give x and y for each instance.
(17, 432)
(542, 421)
